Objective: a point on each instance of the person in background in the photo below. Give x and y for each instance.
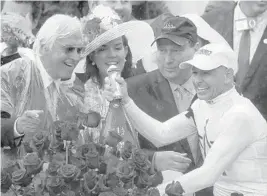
(231, 131)
(244, 25)
(36, 92)
(28, 9)
(18, 19)
(123, 8)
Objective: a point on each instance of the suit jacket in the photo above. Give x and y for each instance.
(254, 86)
(152, 93)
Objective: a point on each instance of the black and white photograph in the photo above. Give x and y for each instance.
(133, 98)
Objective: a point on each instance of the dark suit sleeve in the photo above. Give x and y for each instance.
(7, 131)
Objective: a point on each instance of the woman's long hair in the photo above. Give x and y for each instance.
(92, 71)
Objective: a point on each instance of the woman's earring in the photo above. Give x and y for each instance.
(93, 63)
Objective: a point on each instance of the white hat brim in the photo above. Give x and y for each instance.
(132, 28)
(201, 62)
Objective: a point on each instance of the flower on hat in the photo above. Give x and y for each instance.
(16, 29)
(101, 19)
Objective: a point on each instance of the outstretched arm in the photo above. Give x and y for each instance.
(160, 134)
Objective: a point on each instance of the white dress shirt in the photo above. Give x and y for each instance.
(256, 33)
(183, 94)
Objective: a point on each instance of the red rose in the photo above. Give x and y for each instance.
(29, 191)
(90, 181)
(53, 168)
(156, 179)
(32, 163)
(69, 193)
(5, 181)
(69, 172)
(112, 180)
(113, 139)
(80, 163)
(54, 185)
(69, 131)
(26, 147)
(127, 150)
(107, 194)
(119, 191)
(140, 159)
(125, 171)
(10, 166)
(174, 189)
(92, 159)
(92, 119)
(40, 141)
(84, 149)
(21, 178)
(143, 180)
(139, 192)
(153, 192)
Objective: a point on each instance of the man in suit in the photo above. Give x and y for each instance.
(244, 25)
(168, 91)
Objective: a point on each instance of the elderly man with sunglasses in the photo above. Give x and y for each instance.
(36, 92)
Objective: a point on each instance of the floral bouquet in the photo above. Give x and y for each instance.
(55, 162)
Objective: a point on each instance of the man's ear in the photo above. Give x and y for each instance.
(44, 49)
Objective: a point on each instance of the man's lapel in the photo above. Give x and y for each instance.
(229, 28)
(255, 63)
(163, 92)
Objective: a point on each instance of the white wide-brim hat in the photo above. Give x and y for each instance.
(104, 25)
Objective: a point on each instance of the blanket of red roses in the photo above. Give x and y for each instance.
(54, 163)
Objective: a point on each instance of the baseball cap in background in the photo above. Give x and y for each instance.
(177, 29)
(212, 56)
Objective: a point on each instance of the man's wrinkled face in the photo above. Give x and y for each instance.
(123, 8)
(209, 84)
(65, 55)
(170, 56)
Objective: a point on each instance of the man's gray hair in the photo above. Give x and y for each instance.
(56, 27)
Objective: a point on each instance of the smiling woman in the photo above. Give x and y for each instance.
(107, 45)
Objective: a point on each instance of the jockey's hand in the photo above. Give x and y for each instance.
(30, 121)
(109, 89)
(170, 160)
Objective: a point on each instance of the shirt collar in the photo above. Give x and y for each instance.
(228, 94)
(238, 15)
(47, 79)
(188, 85)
